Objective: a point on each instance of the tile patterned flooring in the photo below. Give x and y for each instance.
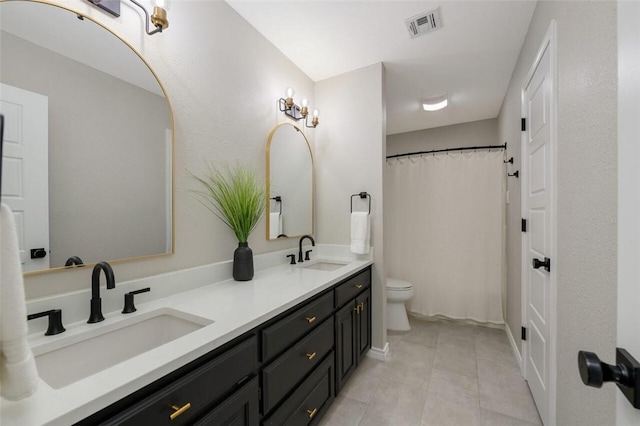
(439, 374)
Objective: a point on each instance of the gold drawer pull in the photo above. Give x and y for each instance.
(312, 412)
(179, 410)
(361, 305)
(311, 319)
(357, 308)
(311, 356)
(358, 286)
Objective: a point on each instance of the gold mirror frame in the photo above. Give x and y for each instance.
(268, 182)
(172, 143)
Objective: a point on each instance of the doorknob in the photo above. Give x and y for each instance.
(626, 373)
(538, 263)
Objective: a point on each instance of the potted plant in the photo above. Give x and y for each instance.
(237, 198)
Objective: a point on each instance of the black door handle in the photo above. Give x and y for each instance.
(537, 263)
(38, 253)
(626, 373)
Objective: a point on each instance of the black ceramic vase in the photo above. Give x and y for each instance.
(243, 263)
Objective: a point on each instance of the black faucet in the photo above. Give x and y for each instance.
(96, 301)
(313, 243)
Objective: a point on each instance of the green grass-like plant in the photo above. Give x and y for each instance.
(236, 197)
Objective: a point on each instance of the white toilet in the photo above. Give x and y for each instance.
(398, 293)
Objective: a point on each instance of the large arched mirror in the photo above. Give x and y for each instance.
(87, 159)
(289, 183)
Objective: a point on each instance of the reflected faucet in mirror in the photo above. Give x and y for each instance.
(73, 261)
(96, 301)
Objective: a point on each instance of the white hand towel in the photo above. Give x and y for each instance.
(360, 231)
(18, 372)
(275, 225)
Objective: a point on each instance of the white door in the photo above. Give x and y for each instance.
(628, 195)
(538, 192)
(25, 170)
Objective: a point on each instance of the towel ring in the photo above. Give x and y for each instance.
(362, 195)
(278, 199)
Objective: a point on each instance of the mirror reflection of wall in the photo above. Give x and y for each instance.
(109, 140)
(290, 177)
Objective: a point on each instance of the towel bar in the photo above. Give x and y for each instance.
(362, 195)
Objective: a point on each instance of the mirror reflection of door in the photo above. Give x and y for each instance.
(25, 164)
(289, 183)
(109, 134)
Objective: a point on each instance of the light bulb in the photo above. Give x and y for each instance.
(316, 113)
(160, 3)
(304, 102)
(289, 92)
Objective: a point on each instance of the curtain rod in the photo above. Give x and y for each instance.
(465, 148)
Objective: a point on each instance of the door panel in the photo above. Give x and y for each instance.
(25, 170)
(537, 208)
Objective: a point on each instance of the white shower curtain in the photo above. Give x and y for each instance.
(444, 227)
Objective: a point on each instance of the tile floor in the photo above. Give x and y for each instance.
(442, 374)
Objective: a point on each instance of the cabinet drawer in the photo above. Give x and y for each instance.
(199, 388)
(352, 286)
(283, 374)
(288, 330)
(309, 401)
(241, 408)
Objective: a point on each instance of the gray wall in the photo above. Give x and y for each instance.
(587, 200)
(475, 133)
(107, 180)
(350, 157)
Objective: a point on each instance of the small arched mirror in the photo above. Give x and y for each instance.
(289, 183)
(98, 185)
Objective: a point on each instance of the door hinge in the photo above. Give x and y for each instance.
(523, 334)
(524, 225)
(523, 124)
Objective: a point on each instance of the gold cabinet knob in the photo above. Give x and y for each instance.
(311, 356)
(358, 286)
(179, 410)
(310, 319)
(312, 413)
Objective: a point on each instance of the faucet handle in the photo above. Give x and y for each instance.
(55, 321)
(129, 307)
(293, 259)
(306, 254)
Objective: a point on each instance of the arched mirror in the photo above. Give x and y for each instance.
(87, 159)
(289, 183)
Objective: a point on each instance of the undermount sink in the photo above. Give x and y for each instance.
(325, 265)
(67, 360)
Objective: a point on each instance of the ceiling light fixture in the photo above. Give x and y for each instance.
(296, 112)
(435, 103)
(158, 17)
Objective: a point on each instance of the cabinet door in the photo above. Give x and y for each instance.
(345, 344)
(363, 324)
(239, 409)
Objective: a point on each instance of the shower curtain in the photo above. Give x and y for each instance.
(444, 227)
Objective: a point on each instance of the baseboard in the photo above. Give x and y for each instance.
(379, 354)
(514, 346)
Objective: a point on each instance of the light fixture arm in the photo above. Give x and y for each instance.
(159, 18)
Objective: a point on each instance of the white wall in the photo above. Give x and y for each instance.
(222, 79)
(587, 200)
(350, 149)
(475, 133)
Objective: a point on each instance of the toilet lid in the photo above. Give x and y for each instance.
(398, 284)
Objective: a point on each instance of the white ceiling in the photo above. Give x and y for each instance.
(470, 58)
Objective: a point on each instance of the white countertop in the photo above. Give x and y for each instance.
(235, 307)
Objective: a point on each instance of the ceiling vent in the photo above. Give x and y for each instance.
(424, 23)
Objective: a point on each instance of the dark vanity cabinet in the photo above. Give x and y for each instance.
(286, 371)
(353, 325)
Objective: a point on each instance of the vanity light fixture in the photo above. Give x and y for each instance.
(434, 103)
(288, 106)
(158, 17)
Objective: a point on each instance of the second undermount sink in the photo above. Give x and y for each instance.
(324, 265)
(67, 360)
